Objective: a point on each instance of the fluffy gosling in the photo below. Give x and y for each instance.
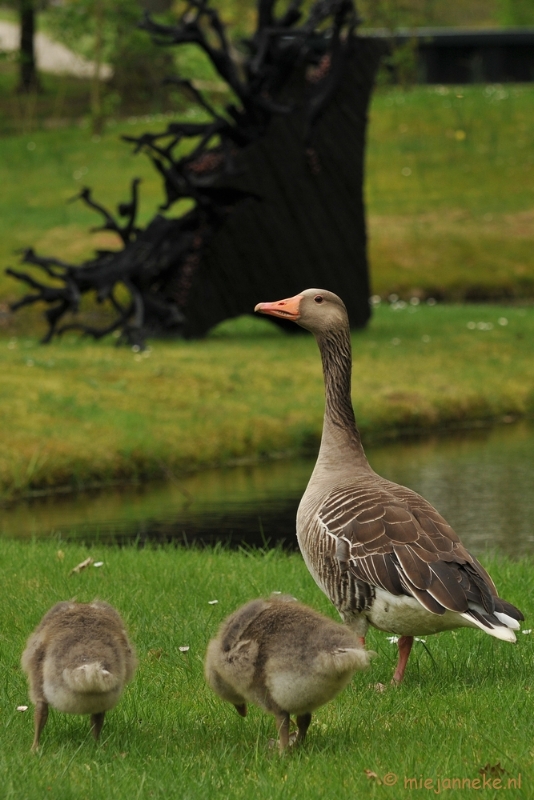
(283, 657)
(78, 660)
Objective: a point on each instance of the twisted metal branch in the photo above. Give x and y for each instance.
(157, 264)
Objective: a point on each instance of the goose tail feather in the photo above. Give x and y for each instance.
(510, 622)
(496, 627)
(90, 679)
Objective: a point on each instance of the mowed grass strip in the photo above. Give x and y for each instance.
(463, 712)
(76, 413)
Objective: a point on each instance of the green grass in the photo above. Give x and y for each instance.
(77, 412)
(465, 702)
(450, 197)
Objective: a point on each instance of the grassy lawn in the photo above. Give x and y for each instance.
(450, 191)
(462, 713)
(77, 412)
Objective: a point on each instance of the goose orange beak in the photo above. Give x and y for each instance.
(287, 309)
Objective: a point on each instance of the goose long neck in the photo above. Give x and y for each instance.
(341, 439)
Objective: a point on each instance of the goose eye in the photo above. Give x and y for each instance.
(319, 298)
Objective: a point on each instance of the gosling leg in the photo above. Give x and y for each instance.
(282, 725)
(40, 717)
(97, 720)
(303, 723)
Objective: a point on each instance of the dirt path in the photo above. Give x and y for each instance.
(51, 56)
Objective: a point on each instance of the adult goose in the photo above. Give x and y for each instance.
(379, 551)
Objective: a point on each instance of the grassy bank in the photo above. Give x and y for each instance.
(448, 190)
(76, 413)
(462, 712)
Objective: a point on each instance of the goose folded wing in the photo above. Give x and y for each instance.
(388, 546)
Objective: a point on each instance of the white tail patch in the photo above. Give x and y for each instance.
(500, 632)
(90, 679)
(510, 622)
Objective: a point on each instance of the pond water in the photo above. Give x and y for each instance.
(481, 481)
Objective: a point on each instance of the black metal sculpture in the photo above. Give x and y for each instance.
(275, 178)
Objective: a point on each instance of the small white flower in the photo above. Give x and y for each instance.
(212, 602)
(471, 325)
(426, 338)
(406, 171)
(393, 298)
(503, 321)
(184, 648)
(376, 300)
(431, 301)
(98, 564)
(417, 639)
(135, 348)
(22, 708)
(414, 301)
(395, 341)
(527, 631)
(79, 173)
(392, 639)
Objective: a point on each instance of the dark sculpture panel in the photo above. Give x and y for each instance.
(275, 178)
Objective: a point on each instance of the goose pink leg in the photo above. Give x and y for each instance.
(405, 645)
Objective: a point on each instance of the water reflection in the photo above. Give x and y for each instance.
(482, 482)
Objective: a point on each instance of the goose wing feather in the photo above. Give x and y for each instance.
(388, 544)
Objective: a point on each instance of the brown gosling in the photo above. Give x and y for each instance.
(78, 660)
(283, 657)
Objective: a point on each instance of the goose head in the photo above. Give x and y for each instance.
(319, 311)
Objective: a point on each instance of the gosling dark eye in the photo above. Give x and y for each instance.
(319, 298)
